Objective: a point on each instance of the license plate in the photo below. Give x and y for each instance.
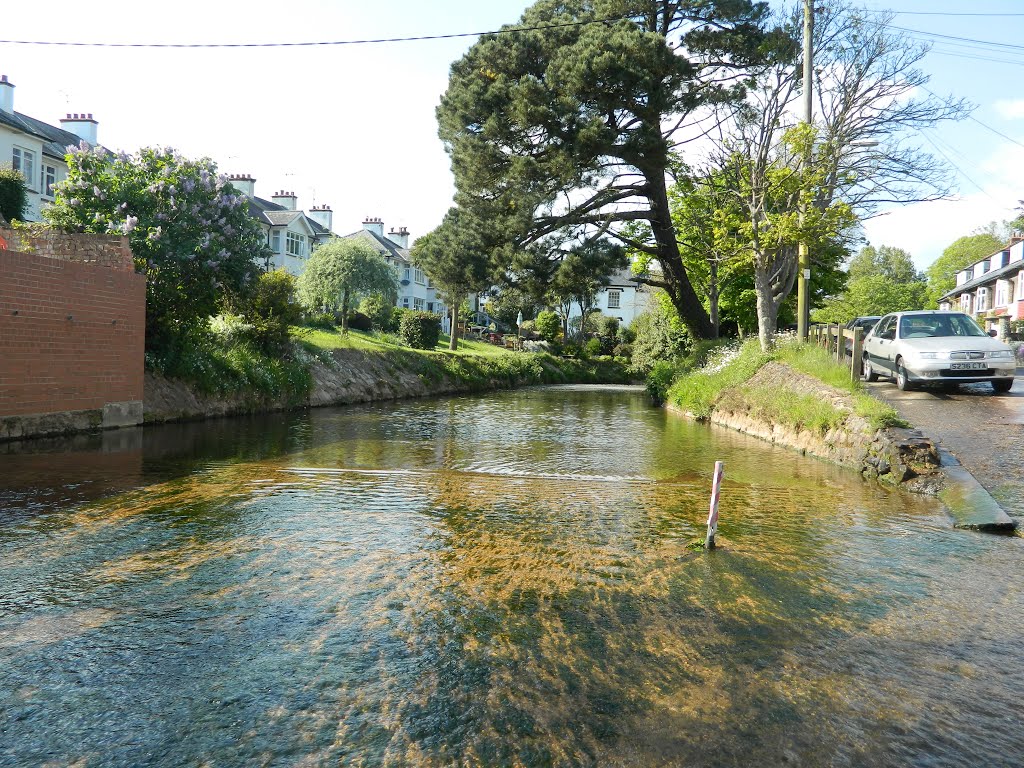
(967, 366)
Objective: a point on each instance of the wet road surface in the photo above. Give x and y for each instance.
(982, 429)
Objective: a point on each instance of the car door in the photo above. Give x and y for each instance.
(879, 346)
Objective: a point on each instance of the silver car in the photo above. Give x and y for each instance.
(932, 347)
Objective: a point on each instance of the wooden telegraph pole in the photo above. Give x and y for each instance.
(803, 278)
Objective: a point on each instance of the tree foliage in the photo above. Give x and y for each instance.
(188, 228)
(798, 184)
(881, 280)
(963, 252)
(340, 272)
(13, 194)
(581, 272)
(457, 258)
(571, 124)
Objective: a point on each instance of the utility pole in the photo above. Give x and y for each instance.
(803, 278)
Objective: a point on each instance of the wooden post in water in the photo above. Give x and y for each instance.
(713, 514)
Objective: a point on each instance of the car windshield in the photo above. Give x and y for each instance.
(922, 326)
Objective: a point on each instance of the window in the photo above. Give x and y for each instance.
(24, 160)
(296, 244)
(430, 306)
(965, 302)
(405, 274)
(1002, 294)
(49, 179)
(417, 304)
(614, 298)
(275, 241)
(405, 302)
(982, 300)
(420, 277)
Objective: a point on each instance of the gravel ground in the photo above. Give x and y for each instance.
(983, 430)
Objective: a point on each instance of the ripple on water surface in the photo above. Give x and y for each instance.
(502, 581)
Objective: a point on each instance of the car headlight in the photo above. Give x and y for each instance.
(1001, 354)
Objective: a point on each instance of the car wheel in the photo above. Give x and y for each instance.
(867, 371)
(902, 381)
(1001, 385)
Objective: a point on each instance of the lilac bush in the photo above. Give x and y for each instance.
(189, 230)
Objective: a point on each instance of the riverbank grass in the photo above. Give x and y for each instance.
(725, 382)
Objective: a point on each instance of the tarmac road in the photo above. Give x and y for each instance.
(983, 430)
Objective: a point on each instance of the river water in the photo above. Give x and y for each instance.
(490, 581)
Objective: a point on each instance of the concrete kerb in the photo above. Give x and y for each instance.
(968, 502)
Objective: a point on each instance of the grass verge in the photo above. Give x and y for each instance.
(723, 382)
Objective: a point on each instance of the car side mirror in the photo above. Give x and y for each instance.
(993, 333)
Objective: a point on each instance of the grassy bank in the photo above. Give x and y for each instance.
(727, 381)
(476, 365)
(227, 367)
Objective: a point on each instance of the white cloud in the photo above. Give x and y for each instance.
(1010, 109)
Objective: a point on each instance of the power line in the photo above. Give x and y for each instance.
(506, 31)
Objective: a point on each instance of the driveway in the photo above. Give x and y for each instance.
(983, 430)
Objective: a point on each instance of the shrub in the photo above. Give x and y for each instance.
(380, 311)
(548, 325)
(13, 194)
(527, 328)
(420, 330)
(360, 322)
(659, 380)
(271, 309)
(607, 330)
(594, 347)
(324, 320)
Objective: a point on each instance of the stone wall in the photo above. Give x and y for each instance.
(72, 333)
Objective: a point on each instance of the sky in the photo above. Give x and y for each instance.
(353, 126)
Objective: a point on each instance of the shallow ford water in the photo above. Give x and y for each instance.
(490, 581)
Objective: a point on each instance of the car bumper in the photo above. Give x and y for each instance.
(940, 371)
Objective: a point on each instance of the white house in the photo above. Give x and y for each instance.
(623, 298)
(292, 234)
(992, 287)
(37, 149)
(415, 291)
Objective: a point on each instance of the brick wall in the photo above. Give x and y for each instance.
(72, 323)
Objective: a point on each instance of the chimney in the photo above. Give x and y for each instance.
(323, 215)
(82, 125)
(399, 237)
(285, 199)
(375, 225)
(6, 95)
(244, 183)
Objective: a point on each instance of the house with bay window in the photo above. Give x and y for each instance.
(992, 287)
(292, 235)
(37, 149)
(415, 291)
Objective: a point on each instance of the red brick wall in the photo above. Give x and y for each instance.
(72, 324)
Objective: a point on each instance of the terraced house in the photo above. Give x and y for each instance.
(292, 234)
(37, 149)
(415, 291)
(991, 288)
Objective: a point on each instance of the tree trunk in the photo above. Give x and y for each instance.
(680, 290)
(454, 309)
(767, 307)
(344, 311)
(713, 297)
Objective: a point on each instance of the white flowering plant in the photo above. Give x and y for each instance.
(189, 230)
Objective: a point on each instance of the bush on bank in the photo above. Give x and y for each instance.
(724, 381)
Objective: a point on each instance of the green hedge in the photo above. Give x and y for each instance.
(420, 330)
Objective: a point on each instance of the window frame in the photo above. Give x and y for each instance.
(614, 298)
(20, 157)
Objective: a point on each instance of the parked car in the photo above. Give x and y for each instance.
(936, 346)
(867, 323)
